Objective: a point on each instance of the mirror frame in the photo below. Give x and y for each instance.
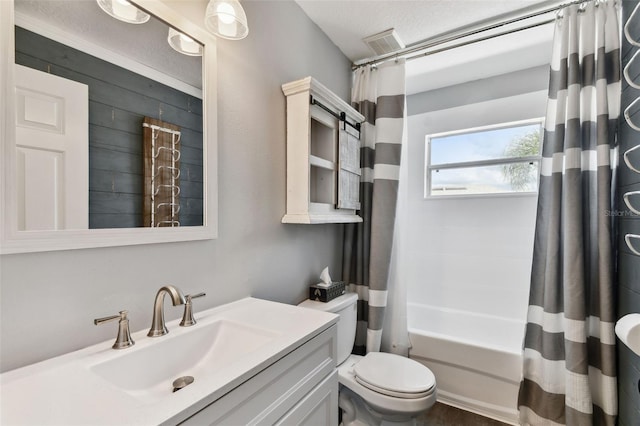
(14, 241)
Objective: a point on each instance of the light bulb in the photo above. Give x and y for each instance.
(186, 38)
(123, 10)
(183, 43)
(226, 19)
(226, 14)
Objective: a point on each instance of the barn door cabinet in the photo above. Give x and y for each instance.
(323, 155)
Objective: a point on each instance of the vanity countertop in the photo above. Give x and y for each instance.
(76, 389)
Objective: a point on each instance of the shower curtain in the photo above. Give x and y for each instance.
(569, 374)
(379, 94)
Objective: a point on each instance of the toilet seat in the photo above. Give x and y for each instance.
(378, 401)
(394, 376)
(394, 394)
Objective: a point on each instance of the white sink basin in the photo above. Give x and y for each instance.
(149, 372)
(628, 331)
(102, 386)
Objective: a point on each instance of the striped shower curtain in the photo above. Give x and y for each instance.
(379, 94)
(569, 374)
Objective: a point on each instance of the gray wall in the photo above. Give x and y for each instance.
(628, 263)
(118, 102)
(473, 92)
(48, 300)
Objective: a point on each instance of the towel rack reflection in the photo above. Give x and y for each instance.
(164, 173)
(627, 114)
(626, 27)
(175, 190)
(174, 171)
(174, 152)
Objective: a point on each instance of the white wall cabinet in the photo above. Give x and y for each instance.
(323, 155)
(300, 388)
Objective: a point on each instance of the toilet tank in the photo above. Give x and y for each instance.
(346, 307)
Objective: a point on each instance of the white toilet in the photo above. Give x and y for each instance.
(378, 388)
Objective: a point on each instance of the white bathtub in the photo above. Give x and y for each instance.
(476, 358)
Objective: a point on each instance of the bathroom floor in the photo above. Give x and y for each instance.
(445, 415)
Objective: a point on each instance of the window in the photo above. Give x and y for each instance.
(501, 159)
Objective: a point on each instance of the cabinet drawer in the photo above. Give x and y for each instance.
(267, 396)
(320, 407)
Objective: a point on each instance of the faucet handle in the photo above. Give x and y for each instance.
(187, 318)
(124, 339)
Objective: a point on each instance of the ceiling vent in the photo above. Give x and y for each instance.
(384, 42)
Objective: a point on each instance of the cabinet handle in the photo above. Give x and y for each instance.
(628, 238)
(626, 27)
(627, 115)
(625, 71)
(626, 196)
(625, 156)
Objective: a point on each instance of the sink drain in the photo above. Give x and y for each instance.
(182, 382)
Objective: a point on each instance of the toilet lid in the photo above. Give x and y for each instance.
(394, 375)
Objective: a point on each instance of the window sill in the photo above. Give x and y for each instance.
(476, 196)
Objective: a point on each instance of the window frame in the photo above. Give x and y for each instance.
(428, 167)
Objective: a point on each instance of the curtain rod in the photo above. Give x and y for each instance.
(452, 36)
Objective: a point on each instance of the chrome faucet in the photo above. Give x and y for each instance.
(158, 328)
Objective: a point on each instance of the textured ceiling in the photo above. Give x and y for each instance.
(347, 22)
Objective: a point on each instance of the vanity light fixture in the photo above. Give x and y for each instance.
(226, 19)
(123, 11)
(183, 43)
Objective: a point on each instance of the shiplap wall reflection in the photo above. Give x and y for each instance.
(118, 101)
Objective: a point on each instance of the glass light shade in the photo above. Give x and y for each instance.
(183, 43)
(226, 19)
(123, 11)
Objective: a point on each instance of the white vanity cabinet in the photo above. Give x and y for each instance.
(253, 361)
(301, 388)
(323, 155)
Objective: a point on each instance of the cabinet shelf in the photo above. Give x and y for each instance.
(321, 162)
(322, 213)
(323, 155)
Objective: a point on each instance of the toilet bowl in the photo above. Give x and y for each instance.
(378, 388)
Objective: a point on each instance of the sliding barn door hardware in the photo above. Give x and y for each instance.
(342, 116)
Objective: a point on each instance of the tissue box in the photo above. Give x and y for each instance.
(325, 294)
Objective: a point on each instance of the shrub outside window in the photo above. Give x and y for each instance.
(490, 160)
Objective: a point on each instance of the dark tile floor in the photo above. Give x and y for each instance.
(445, 415)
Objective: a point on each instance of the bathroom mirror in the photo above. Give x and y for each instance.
(106, 215)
